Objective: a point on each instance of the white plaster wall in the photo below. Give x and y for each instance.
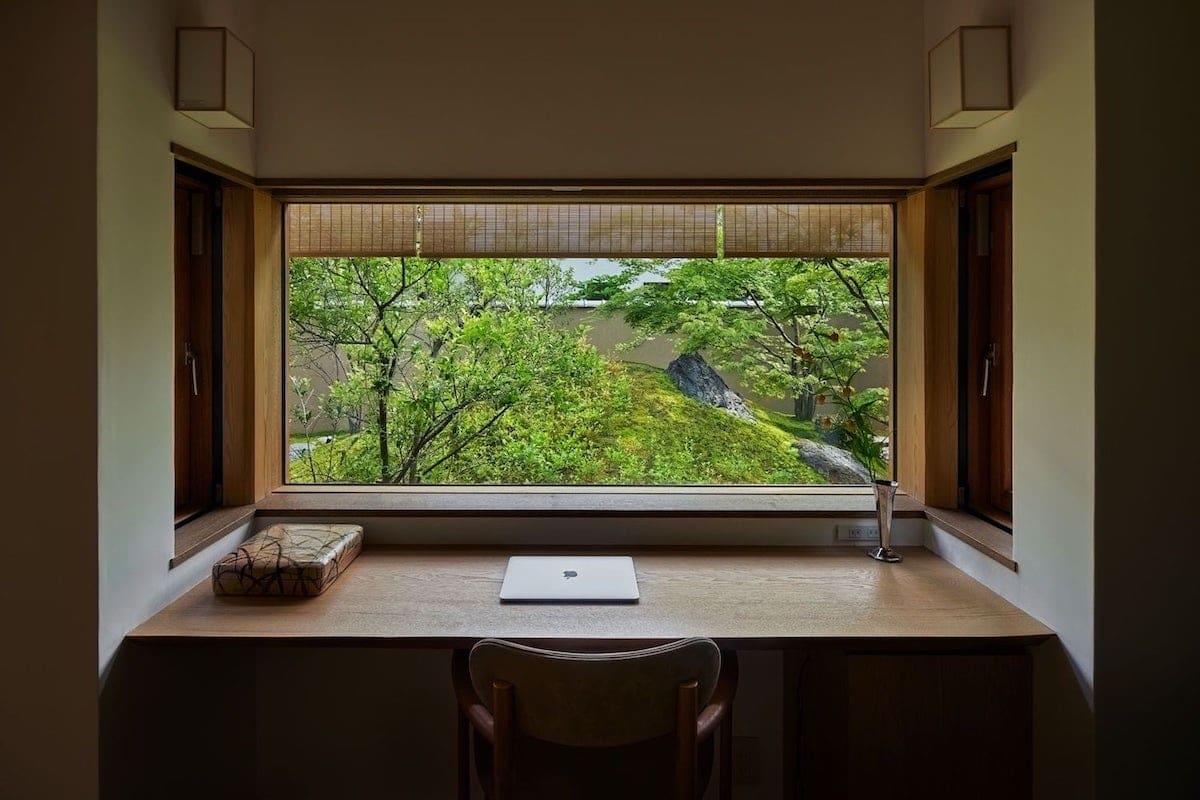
(1054, 180)
(137, 123)
(614, 89)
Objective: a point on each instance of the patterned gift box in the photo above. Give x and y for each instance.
(288, 560)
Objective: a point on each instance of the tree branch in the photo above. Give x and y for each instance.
(856, 291)
(456, 450)
(771, 319)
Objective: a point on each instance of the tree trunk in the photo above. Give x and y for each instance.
(804, 406)
(384, 457)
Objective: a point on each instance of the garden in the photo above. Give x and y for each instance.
(406, 370)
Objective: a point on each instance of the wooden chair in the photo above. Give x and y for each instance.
(582, 725)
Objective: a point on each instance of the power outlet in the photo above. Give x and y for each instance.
(858, 533)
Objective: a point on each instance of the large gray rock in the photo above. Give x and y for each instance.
(836, 464)
(696, 379)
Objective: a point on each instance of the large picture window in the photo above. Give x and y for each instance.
(588, 344)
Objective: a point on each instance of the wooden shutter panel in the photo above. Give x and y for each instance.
(352, 229)
(567, 230)
(809, 230)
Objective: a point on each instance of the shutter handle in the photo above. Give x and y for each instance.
(189, 358)
(989, 358)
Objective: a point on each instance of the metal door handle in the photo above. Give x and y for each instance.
(989, 358)
(189, 358)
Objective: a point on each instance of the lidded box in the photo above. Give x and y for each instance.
(288, 560)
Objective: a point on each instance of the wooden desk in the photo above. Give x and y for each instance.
(915, 665)
(743, 597)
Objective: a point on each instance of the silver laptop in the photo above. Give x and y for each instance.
(569, 579)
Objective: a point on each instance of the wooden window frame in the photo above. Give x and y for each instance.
(924, 418)
(978, 453)
(552, 499)
(250, 336)
(196, 351)
(931, 379)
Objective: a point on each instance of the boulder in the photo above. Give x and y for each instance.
(836, 464)
(697, 380)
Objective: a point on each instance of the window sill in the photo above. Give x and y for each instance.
(991, 540)
(199, 533)
(603, 501)
(593, 501)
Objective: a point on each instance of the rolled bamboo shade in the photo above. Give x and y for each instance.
(352, 229)
(565, 230)
(809, 230)
(568, 230)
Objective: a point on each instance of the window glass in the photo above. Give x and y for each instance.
(545, 348)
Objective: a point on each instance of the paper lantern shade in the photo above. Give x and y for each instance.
(970, 79)
(214, 77)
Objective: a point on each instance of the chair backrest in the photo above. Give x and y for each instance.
(595, 699)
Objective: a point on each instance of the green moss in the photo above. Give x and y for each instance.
(633, 428)
(797, 429)
(669, 438)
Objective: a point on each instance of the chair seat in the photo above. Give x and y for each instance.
(630, 772)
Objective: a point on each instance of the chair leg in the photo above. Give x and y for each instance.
(685, 741)
(726, 787)
(502, 713)
(464, 756)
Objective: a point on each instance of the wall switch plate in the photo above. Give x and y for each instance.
(857, 533)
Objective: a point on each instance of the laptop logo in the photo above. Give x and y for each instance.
(570, 573)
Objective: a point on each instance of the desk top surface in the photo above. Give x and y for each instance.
(744, 597)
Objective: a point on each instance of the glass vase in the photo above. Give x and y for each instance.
(885, 498)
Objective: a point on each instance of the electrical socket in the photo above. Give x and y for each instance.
(857, 533)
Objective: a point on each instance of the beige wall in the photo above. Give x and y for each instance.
(48, 713)
(623, 88)
(137, 123)
(1054, 194)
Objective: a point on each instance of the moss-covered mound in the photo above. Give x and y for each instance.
(635, 427)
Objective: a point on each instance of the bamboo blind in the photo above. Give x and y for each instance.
(564, 230)
(568, 229)
(809, 230)
(352, 229)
